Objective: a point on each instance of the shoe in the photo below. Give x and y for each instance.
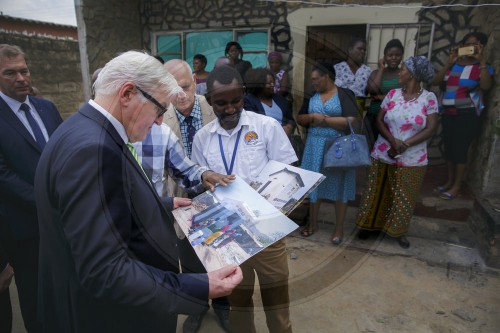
(403, 242)
(439, 189)
(448, 196)
(336, 241)
(192, 323)
(223, 315)
(306, 232)
(364, 234)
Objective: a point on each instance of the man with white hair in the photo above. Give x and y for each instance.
(108, 249)
(187, 114)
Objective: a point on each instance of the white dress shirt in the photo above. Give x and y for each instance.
(262, 139)
(15, 105)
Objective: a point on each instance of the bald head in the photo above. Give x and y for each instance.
(222, 61)
(182, 74)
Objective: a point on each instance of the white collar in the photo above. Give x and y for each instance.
(115, 122)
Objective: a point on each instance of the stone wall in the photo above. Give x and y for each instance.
(55, 68)
(111, 27)
(166, 15)
(452, 23)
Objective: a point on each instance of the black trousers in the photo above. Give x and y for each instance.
(5, 312)
(23, 257)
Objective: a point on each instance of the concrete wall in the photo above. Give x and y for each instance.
(109, 28)
(302, 18)
(55, 68)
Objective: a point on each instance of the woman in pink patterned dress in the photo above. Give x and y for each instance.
(407, 119)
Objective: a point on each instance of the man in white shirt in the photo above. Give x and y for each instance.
(242, 142)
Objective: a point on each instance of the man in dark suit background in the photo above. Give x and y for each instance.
(26, 123)
(108, 250)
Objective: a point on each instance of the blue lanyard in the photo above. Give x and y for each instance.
(230, 170)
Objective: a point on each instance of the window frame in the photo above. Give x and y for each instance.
(235, 33)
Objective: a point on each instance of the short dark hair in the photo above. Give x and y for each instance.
(394, 43)
(223, 75)
(325, 68)
(481, 37)
(256, 80)
(238, 46)
(201, 58)
(355, 41)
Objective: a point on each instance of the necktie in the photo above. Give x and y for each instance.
(191, 131)
(134, 153)
(37, 131)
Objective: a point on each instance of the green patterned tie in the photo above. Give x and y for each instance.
(134, 153)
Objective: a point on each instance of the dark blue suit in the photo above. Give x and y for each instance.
(19, 155)
(108, 249)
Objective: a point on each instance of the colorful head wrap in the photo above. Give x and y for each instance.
(421, 68)
(274, 54)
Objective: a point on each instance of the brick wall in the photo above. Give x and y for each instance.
(55, 68)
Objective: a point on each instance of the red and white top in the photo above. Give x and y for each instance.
(404, 119)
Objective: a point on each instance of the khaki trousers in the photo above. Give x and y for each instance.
(271, 267)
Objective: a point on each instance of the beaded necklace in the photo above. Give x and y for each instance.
(416, 96)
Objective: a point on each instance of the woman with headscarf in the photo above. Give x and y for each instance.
(407, 119)
(281, 80)
(326, 116)
(464, 79)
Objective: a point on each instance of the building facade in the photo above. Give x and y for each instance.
(306, 31)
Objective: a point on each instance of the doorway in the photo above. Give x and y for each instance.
(328, 44)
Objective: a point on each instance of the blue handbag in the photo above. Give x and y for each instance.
(347, 151)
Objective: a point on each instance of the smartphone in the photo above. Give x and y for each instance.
(466, 50)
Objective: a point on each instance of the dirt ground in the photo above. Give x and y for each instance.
(343, 289)
(339, 290)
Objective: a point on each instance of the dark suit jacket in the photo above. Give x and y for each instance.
(19, 154)
(108, 249)
(253, 103)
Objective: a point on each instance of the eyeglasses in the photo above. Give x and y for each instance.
(161, 109)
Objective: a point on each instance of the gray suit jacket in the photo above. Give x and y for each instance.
(108, 249)
(172, 121)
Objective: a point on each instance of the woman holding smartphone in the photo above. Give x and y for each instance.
(463, 80)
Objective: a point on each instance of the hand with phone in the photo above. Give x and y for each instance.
(453, 57)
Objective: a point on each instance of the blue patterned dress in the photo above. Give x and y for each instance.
(338, 185)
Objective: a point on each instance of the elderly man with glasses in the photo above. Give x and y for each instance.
(109, 260)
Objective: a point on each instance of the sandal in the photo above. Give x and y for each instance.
(403, 242)
(336, 241)
(306, 232)
(439, 189)
(449, 196)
